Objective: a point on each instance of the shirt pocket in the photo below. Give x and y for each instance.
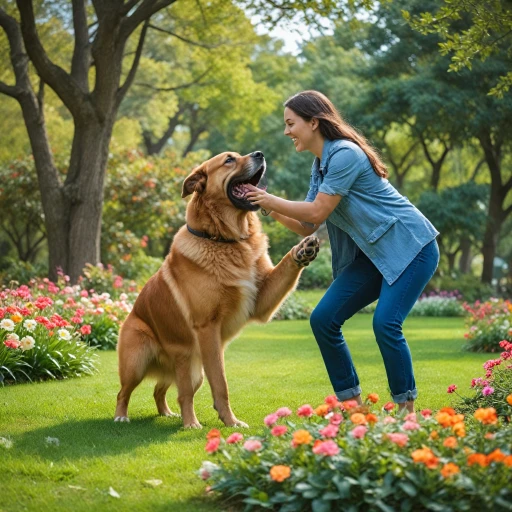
(380, 230)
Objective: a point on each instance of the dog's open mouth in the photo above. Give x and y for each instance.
(238, 188)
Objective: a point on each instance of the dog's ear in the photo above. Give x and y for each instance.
(196, 182)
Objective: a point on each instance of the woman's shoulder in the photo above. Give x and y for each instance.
(345, 149)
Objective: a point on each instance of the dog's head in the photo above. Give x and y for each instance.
(224, 177)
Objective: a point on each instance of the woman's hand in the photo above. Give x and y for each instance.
(261, 198)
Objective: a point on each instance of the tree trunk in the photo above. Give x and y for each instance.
(194, 137)
(451, 260)
(465, 257)
(154, 148)
(492, 231)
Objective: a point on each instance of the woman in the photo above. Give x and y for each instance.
(382, 246)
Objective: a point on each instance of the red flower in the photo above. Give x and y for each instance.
(212, 445)
(85, 329)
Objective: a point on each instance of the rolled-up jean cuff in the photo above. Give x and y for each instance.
(405, 397)
(347, 394)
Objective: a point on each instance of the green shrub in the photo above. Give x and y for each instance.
(437, 306)
(294, 308)
(488, 324)
(20, 272)
(469, 286)
(494, 389)
(104, 333)
(344, 457)
(319, 272)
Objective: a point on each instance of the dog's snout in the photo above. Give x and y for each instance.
(257, 154)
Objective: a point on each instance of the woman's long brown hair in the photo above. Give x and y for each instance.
(314, 104)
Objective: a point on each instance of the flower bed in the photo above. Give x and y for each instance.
(47, 329)
(488, 323)
(494, 389)
(344, 456)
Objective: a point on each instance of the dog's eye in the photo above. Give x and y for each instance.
(229, 159)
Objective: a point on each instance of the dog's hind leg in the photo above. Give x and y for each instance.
(189, 377)
(161, 388)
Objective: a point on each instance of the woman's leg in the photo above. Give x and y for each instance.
(395, 303)
(356, 287)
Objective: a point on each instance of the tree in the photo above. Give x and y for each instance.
(487, 31)
(91, 87)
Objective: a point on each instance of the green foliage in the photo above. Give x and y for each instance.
(492, 390)
(488, 324)
(356, 460)
(469, 286)
(437, 306)
(280, 239)
(319, 273)
(104, 333)
(470, 31)
(20, 271)
(294, 308)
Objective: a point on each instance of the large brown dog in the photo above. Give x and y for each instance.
(216, 278)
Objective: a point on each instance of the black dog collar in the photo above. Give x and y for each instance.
(203, 234)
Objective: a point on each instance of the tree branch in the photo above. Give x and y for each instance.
(144, 12)
(175, 88)
(129, 6)
(81, 51)
(185, 40)
(66, 87)
(10, 90)
(121, 92)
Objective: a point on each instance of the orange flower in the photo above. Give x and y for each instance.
(214, 433)
(487, 416)
(508, 461)
(16, 318)
(280, 473)
(350, 404)
(459, 429)
(322, 410)
(434, 434)
(478, 458)
(302, 437)
(496, 456)
(371, 418)
(425, 456)
(509, 399)
(450, 442)
(373, 397)
(447, 417)
(358, 418)
(450, 469)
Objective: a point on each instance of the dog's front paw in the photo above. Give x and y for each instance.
(306, 251)
(236, 423)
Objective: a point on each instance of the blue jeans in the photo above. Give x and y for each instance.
(357, 286)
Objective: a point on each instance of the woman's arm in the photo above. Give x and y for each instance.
(301, 228)
(315, 212)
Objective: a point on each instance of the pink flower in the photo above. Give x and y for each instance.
(234, 438)
(283, 412)
(451, 389)
(252, 445)
(279, 430)
(11, 344)
(411, 417)
(335, 419)
(426, 413)
(212, 445)
(411, 425)
(399, 439)
(329, 431)
(350, 404)
(388, 419)
(488, 390)
(305, 410)
(271, 419)
(85, 329)
(328, 448)
(332, 400)
(359, 432)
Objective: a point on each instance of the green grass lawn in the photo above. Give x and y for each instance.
(268, 366)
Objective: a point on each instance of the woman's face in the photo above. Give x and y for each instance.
(302, 132)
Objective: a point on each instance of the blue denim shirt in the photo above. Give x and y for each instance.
(372, 215)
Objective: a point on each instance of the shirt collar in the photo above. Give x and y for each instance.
(319, 165)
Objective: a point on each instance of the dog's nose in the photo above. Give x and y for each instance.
(257, 154)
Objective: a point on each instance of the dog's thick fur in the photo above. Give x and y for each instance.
(204, 293)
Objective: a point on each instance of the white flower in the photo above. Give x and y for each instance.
(84, 300)
(59, 302)
(64, 334)
(7, 324)
(12, 337)
(30, 325)
(207, 469)
(123, 296)
(105, 295)
(27, 343)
